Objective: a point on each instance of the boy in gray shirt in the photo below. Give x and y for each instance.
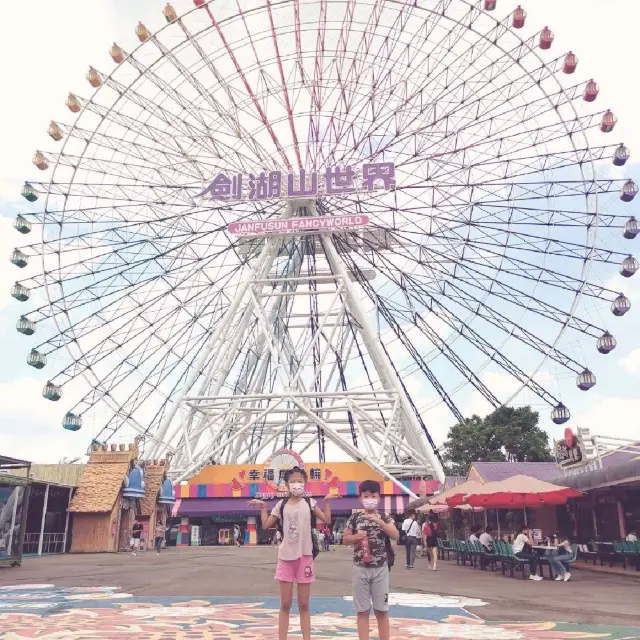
(369, 533)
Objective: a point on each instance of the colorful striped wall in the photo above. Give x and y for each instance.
(319, 489)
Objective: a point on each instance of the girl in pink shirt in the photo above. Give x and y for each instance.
(293, 515)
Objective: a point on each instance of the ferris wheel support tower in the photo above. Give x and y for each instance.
(217, 425)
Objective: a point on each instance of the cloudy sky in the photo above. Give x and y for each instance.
(46, 48)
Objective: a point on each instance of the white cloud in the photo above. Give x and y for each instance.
(37, 85)
(631, 362)
(613, 417)
(31, 427)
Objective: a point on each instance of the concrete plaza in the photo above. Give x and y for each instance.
(244, 576)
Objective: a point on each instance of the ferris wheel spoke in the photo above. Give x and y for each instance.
(417, 357)
(474, 112)
(185, 134)
(157, 115)
(205, 134)
(413, 287)
(148, 176)
(261, 154)
(418, 321)
(509, 294)
(519, 268)
(469, 282)
(350, 79)
(145, 354)
(283, 85)
(464, 63)
(144, 152)
(496, 141)
(498, 356)
(445, 44)
(465, 331)
(249, 89)
(509, 327)
(87, 295)
(147, 130)
(531, 243)
(528, 163)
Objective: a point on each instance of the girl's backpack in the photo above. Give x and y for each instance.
(314, 540)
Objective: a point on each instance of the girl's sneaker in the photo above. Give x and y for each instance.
(535, 577)
(558, 578)
(567, 576)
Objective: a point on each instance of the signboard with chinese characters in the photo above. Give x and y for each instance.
(264, 480)
(568, 451)
(285, 226)
(302, 184)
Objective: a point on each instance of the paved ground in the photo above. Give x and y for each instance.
(221, 582)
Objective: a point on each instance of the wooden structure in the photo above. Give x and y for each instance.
(102, 519)
(150, 511)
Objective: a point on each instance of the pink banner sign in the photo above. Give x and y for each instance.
(298, 225)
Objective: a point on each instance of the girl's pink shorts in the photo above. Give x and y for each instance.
(301, 571)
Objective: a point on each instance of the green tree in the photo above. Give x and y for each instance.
(506, 435)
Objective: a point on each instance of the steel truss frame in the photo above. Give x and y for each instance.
(216, 426)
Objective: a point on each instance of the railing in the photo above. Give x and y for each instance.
(51, 543)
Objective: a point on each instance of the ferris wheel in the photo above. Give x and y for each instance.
(288, 225)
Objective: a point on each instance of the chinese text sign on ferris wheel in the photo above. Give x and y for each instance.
(265, 186)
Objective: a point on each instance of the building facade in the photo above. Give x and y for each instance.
(215, 500)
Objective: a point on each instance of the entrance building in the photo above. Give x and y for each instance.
(215, 500)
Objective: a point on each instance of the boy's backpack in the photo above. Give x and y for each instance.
(314, 539)
(391, 554)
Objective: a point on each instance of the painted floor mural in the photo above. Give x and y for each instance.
(46, 612)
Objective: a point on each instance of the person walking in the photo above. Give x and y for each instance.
(136, 533)
(411, 529)
(327, 539)
(320, 535)
(160, 531)
(430, 535)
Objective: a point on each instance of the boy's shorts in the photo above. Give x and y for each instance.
(300, 571)
(135, 543)
(370, 587)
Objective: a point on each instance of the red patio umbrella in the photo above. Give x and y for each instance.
(439, 503)
(516, 492)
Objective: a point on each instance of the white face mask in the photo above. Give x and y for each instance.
(370, 503)
(296, 488)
